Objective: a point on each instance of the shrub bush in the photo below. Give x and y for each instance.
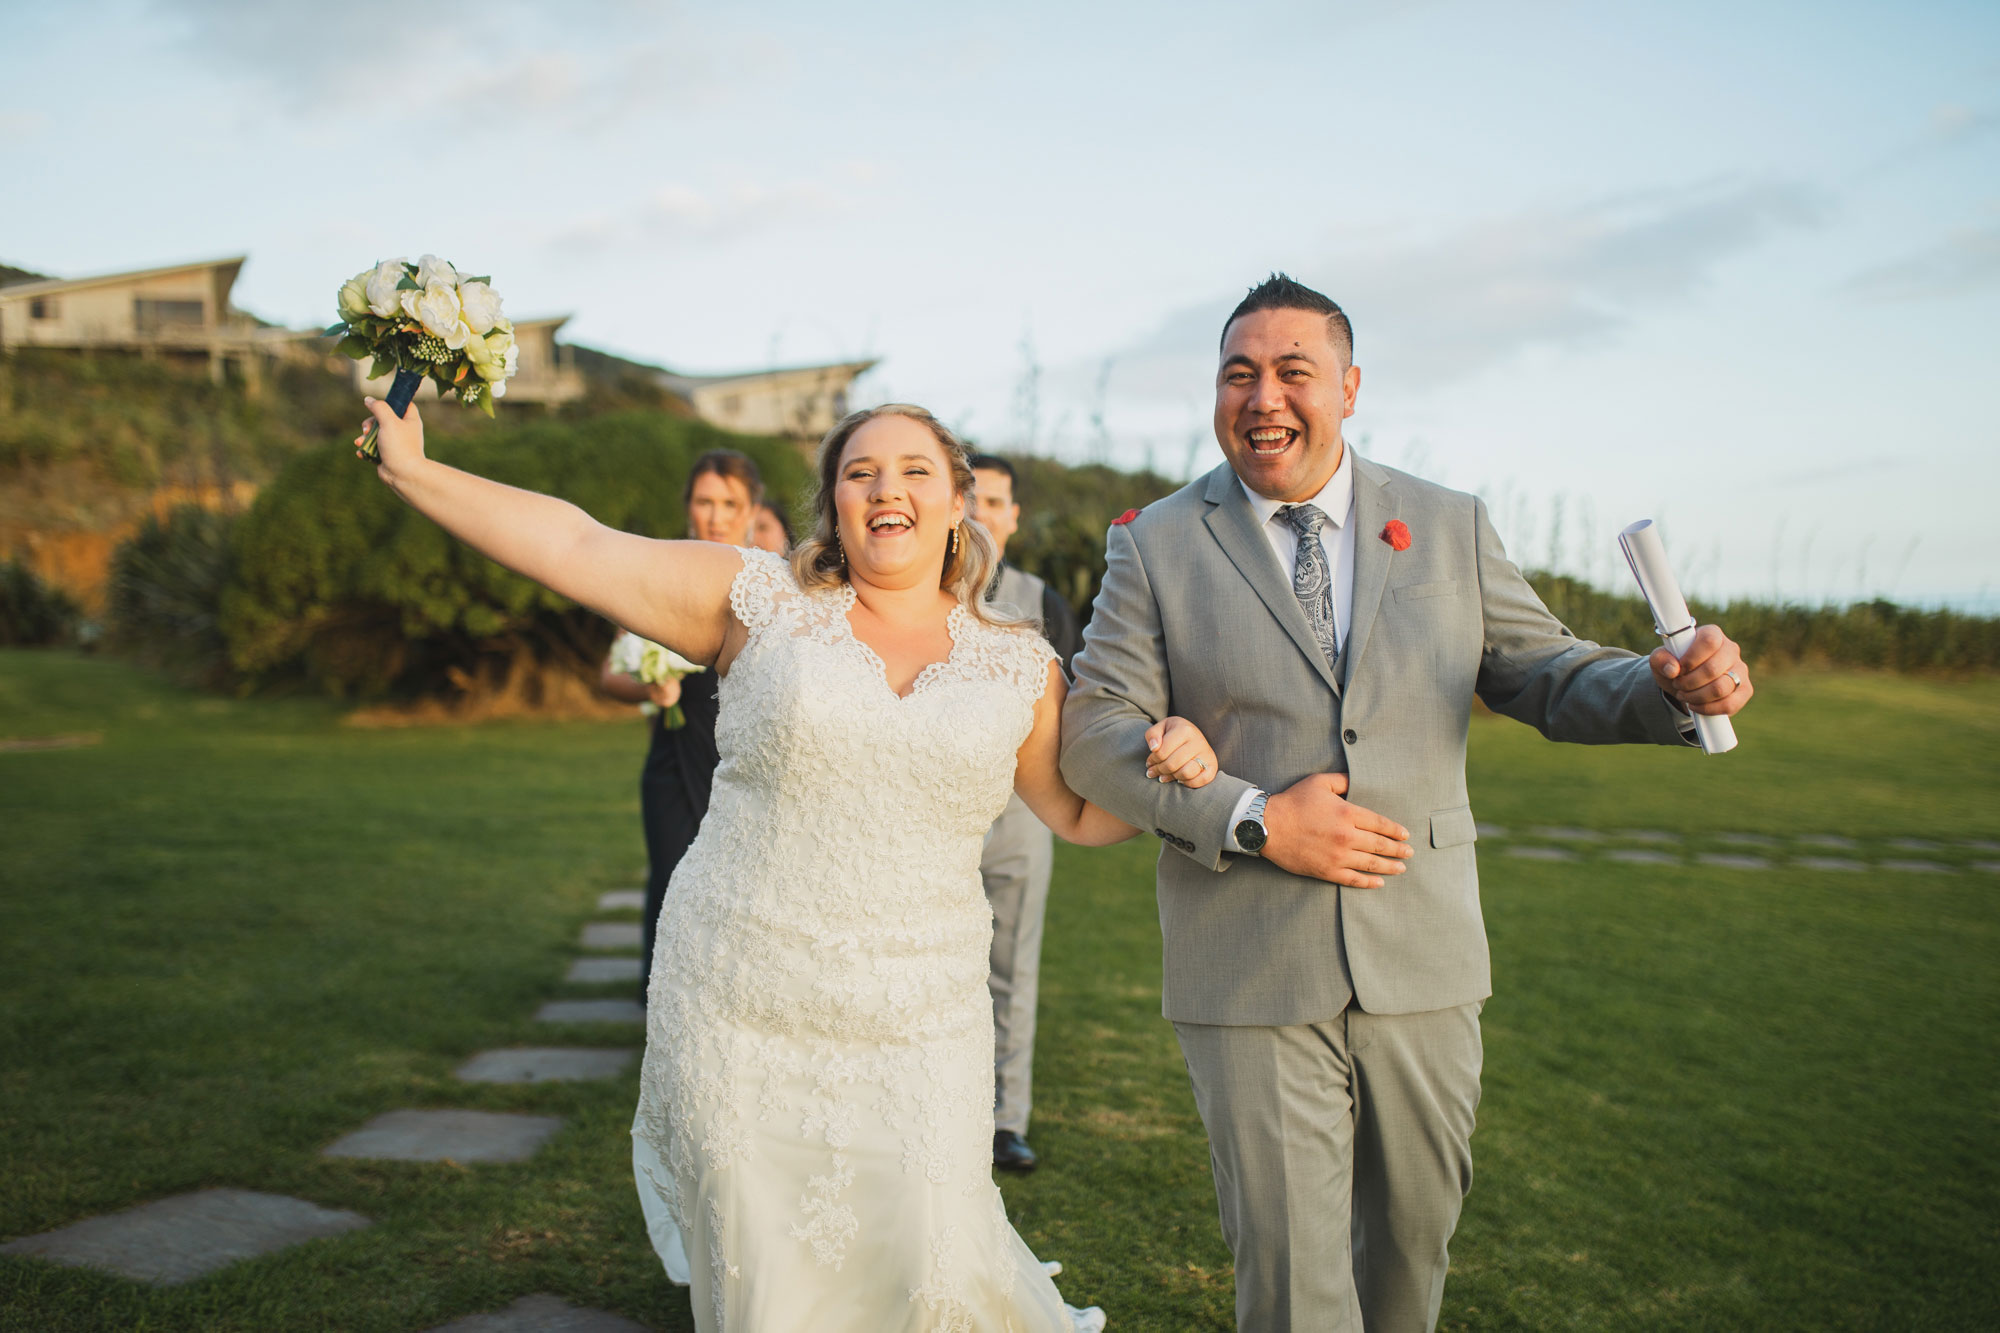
(341, 585)
(33, 612)
(164, 596)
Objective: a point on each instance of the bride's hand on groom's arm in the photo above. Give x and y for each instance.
(1315, 831)
(1178, 752)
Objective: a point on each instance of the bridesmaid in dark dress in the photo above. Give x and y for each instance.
(724, 493)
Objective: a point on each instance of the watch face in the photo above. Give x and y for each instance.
(1250, 836)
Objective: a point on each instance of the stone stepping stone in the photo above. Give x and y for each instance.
(178, 1239)
(591, 1011)
(1990, 867)
(1920, 867)
(1637, 857)
(619, 899)
(1645, 835)
(437, 1136)
(1730, 861)
(603, 969)
(1542, 853)
(602, 935)
(1561, 834)
(542, 1314)
(1916, 845)
(1832, 841)
(1746, 840)
(1828, 863)
(544, 1064)
(1500, 831)
(1981, 844)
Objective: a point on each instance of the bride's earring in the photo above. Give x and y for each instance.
(952, 554)
(839, 550)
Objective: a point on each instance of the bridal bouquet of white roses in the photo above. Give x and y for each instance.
(652, 664)
(424, 320)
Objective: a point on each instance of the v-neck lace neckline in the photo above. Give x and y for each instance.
(954, 628)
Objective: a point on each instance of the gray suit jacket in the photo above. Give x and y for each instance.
(1197, 618)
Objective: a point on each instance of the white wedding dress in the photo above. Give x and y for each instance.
(813, 1146)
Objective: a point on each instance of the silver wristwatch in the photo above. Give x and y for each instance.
(1251, 835)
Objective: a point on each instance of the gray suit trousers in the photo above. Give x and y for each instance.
(1342, 1154)
(1019, 856)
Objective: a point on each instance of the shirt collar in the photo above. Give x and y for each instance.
(1335, 499)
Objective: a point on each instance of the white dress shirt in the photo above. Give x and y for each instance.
(1336, 538)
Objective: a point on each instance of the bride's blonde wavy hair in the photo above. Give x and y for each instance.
(817, 562)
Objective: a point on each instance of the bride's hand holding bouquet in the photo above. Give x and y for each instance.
(426, 321)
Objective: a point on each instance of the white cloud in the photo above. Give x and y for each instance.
(1457, 304)
(21, 126)
(1965, 261)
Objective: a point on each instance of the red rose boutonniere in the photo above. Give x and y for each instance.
(1397, 534)
(1125, 517)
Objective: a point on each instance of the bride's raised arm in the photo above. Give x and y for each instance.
(672, 592)
(1177, 752)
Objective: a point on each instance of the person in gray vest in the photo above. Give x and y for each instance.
(1020, 851)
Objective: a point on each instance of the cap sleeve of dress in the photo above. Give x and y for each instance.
(759, 589)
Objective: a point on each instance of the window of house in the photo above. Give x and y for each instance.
(159, 314)
(42, 307)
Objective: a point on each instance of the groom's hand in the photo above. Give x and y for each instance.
(1713, 678)
(1315, 831)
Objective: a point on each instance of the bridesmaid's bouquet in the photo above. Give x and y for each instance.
(652, 664)
(424, 321)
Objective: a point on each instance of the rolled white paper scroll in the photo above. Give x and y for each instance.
(1671, 618)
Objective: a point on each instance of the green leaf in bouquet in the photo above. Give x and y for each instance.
(408, 284)
(384, 365)
(486, 403)
(488, 280)
(352, 347)
(335, 330)
(464, 367)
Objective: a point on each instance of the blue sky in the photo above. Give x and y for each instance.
(1734, 266)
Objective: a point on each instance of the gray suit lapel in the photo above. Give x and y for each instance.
(1374, 505)
(1234, 524)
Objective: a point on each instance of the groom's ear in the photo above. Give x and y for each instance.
(1350, 388)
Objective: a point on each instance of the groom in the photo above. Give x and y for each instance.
(1327, 622)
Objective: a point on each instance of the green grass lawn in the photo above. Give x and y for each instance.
(232, 931)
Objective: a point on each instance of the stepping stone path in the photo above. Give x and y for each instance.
(178, 1239)
(544, 1064)
(1762, 851)
(588, 970)
(542, 1314)
(1636, 857)
(612, 935)
(449, 1135)
(591, 1011)
(618, 899)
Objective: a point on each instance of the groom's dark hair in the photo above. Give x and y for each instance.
(1280, 292)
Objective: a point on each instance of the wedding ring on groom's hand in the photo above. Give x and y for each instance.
(1735, 681)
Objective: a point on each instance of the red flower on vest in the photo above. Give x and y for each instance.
(1396, 534)
(1125, 517)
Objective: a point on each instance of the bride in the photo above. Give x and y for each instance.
(813, 1139)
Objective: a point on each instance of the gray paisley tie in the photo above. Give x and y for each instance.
(1312, 580)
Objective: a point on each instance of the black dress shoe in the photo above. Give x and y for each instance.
(1012, 1153)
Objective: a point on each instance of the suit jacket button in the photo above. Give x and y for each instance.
(1350, 735)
